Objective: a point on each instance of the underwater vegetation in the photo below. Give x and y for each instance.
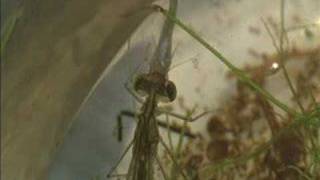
(254, 135)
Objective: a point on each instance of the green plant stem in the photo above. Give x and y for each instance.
(169, 132)
(273, 39)
(283, 55)
(240, 74)
(177, 152)
(301, 27)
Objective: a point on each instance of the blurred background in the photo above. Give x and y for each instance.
(66, 62)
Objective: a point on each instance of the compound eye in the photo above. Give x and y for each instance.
(171, 91)
(140, 85)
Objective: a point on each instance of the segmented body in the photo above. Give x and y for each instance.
(155, 86)
(145, 145)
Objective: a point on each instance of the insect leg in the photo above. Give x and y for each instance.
(165, 176)
(183, 117)
(122, 113)
(171, 127)
(174, 160)
(133, 93)
(109, 175)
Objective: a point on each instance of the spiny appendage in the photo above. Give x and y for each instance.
(144, 150)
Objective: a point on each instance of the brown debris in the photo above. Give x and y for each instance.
(232, 130)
